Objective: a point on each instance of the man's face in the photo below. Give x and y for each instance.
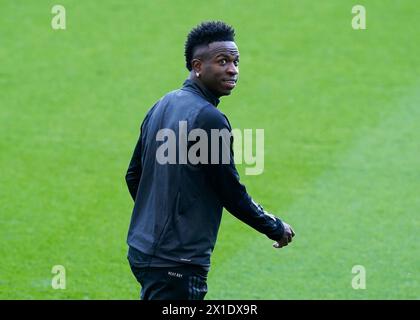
(219, 66)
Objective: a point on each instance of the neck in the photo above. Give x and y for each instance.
(197, 81)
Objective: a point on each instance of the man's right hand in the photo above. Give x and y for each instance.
(287, 237)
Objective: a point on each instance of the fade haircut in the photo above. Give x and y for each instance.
(204, 34)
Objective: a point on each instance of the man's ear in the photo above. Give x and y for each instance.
(197, 65)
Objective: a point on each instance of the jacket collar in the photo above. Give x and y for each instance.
(195, 87)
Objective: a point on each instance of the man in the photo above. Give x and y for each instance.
(179, 202)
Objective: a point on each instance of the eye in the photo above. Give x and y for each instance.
(236, 62)
(222, 62)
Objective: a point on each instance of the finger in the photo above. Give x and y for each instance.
(283, 242)
(279, 244)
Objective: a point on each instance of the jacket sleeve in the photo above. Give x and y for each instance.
(226, 181)
(135, 168)
(133, 174)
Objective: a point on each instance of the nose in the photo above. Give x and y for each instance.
(232, 69)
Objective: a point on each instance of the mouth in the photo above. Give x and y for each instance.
(229, 83)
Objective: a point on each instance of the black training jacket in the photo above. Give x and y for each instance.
(178, 207)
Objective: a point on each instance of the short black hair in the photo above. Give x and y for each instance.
(205, 33)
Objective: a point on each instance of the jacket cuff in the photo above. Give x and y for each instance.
(278, 231)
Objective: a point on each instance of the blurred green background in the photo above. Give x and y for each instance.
(341, 113)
